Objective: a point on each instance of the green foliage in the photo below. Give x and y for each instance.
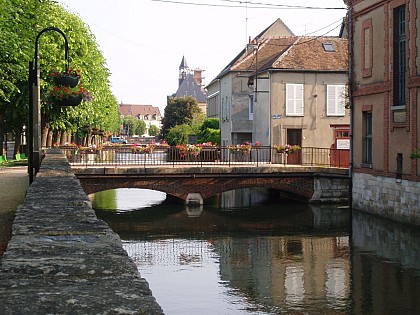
(140, 127)
(20, 23)
(179, 134)
(212, 123)
(129, 123)
(178, 111)
(415, 154)
(209, 135)
(153, 130)
(209, 131)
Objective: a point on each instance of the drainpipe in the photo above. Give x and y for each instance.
(351, 101)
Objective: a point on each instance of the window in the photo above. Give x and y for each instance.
(328, 47)
(399, 56)
(251, 107)
(336, 100)
(367, 138)
(294, 100)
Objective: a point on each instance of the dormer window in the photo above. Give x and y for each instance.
(328, 47)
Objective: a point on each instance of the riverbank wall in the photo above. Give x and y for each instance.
(61, 259)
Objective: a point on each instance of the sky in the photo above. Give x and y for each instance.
(143, 41)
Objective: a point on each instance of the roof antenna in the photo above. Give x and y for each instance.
(246, 20)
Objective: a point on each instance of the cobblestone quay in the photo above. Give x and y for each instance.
(62, 260)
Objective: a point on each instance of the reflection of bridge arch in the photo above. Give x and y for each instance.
(311, 184)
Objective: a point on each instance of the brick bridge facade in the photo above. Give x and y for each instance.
(197, 184)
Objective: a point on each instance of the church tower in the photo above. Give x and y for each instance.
(183, 71)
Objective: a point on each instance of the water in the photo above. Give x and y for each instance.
(239, 255)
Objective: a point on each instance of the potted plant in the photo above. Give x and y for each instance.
(240, 148)
(287, 148)
(69, 78)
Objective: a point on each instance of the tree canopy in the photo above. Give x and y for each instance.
(179, 111)
(20, 22)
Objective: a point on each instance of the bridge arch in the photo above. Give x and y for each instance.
(180, 187)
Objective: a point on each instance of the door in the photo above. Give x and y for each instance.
(294, 137)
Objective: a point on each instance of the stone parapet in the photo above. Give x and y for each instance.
(62, 260)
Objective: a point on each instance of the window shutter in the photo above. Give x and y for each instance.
(294, 99)
(335, 100)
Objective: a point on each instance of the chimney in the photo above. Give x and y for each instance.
(198, 77)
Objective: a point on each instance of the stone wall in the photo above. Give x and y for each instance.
(386, 197)
(62, 260)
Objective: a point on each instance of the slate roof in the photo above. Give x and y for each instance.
(136, 110)
(189, 87)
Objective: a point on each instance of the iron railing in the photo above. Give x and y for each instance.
(212, 155)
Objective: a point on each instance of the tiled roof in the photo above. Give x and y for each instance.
(309, 54)
(189, 87)
(296, 53)
(268, 51)
(136, 110)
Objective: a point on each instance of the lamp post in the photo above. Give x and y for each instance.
(254, 46)
(34, 126)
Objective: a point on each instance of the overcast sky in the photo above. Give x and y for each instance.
(143, 41)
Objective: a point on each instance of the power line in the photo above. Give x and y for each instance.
(249, 4)
(282, 6)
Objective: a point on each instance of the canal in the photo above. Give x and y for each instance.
(245, 252)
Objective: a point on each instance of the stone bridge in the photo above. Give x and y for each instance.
(195, 184)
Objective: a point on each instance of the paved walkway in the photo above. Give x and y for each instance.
(14, 182)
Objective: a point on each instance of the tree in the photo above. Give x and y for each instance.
(153, 130)
(178, 111)
(140, 127)
(129, 125)
(209, 131)
(179, 134)
(20, 22)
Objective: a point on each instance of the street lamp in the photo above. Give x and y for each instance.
(254, 46)
(34, 128)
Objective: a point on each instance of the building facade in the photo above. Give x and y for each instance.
(299, 93)
(148, 113)
(385, 85)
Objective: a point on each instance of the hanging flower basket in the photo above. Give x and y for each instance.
(67, 80)
(71, 100)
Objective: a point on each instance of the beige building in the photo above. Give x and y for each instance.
(385, 107)
(299, 97)
(148, 113)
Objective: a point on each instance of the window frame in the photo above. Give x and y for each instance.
(294, 102)
(367, 131)
(338, 108)
(251, 107)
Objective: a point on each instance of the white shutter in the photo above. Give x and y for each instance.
(294, 100)
(336, 100)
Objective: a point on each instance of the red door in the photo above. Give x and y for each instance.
(340, 149)
(294, 137)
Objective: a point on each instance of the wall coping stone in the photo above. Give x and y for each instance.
(61, 259)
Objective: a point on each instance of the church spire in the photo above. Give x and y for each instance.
(183, 70)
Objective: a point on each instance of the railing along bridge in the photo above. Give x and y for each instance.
(119, 155)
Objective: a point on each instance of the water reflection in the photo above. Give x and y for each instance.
(281, 257)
